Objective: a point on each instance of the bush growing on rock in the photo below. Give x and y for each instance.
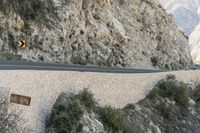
(87, 99)
(173, 90)
(171, 106)
(165, 108)
(66, 116)
(169, 112)
(70, 111)
(196, 95)
(112, 118)
(182, 96)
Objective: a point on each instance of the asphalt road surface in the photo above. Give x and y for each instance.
(25, 65)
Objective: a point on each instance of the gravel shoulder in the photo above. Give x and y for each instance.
(45, 86)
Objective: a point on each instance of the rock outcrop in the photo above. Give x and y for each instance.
(171, 107)
(124, 33)
(70, 115)
(195, 44)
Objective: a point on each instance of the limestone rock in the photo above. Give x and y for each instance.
(91, 124)
(127, 33)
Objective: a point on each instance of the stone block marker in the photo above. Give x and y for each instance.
(19, 99)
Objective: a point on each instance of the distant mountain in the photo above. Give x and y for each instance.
(185, 12)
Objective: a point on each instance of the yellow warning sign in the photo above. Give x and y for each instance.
(22, 43)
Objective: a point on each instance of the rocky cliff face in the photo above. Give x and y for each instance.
(125, 33)
(195, 44)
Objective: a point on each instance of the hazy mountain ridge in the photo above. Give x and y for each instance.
(185, 12)
(187, 16)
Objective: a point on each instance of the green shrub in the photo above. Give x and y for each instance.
(163, 90)
(168, 112)
(196, 95)
(175, 91)
(67, 117)
(112, 118)
(167, 88)
(182, 96)
(68, 111)
(172, 90)
(87, 99)
(154, 93)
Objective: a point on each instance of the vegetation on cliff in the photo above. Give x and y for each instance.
(171, 106)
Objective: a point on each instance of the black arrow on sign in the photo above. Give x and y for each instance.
(22, 43)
